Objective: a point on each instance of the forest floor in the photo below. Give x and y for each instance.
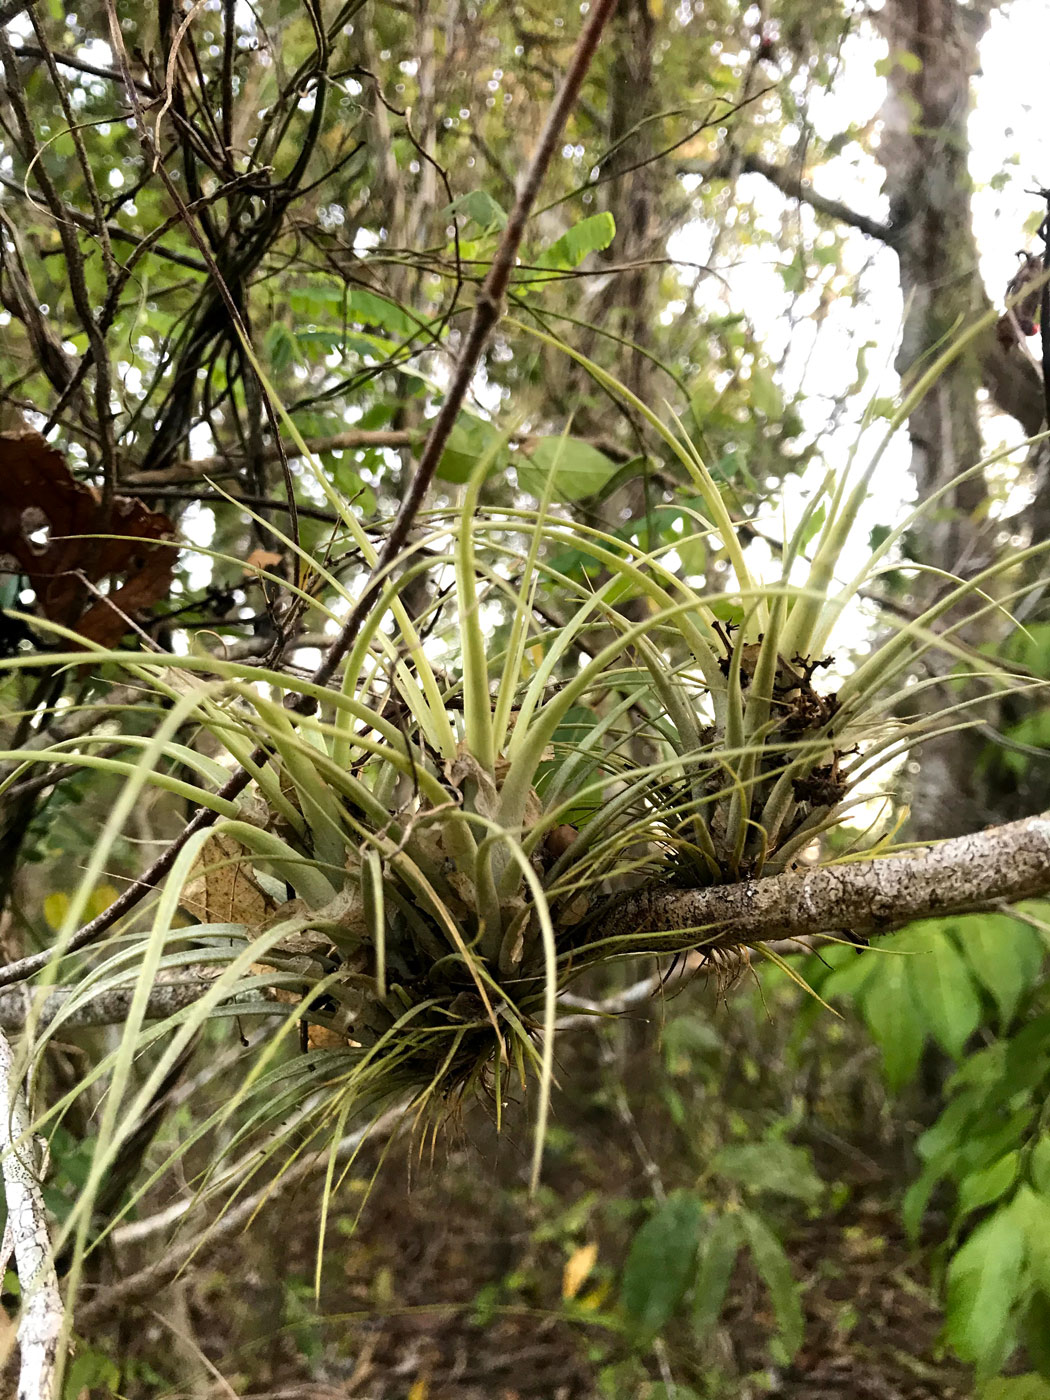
(443, 1279)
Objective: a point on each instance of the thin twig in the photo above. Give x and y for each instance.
(487, 312)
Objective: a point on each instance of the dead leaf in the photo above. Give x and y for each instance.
(262, 559)
(225, 891)
(577, 1269)
(40, 496)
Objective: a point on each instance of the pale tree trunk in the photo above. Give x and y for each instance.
(924, 150)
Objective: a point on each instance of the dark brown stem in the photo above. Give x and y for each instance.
(487, 312)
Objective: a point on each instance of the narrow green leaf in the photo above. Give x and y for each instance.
(718, 1254)
(775, 1271)
(942, 986)
(1004, 954)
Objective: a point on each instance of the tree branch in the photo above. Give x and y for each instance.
(967, 874)
(790, 183)
(110, 1008)
(40, 1323)
(354, 439)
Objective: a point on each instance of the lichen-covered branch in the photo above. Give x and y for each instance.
(40, 1323)
(969, 873)
(110, 1007)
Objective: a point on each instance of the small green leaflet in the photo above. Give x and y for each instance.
(479, 206)
(775, 1272)
(590, 235)
(983, 1280)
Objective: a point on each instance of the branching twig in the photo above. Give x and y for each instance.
(487, 311)
(486, 315)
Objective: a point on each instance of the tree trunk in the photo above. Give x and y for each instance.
(924, 151)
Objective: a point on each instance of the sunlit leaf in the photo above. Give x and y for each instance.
(579, 469)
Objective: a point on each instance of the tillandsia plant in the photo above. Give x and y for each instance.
(473, 815)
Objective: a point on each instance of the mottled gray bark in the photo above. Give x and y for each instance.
(979, 871)
(40, 1319)
(924, 149)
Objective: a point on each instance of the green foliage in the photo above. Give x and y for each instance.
(926, 983)
(575, 469)
(660, 1265)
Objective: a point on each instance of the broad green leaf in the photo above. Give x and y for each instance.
(479, 206)
(1035, 1332)
(579, 469)
(91, 1370)
(943, 988)
(718, 1253)
(1032, 1212)
(1039, 1165)
(894, 1019)
(660, 1264)
(1030, 1387)
(471, 439)
(984, 1278)
(370, 309)
(1005, 955)
(774, 1166)
(590, 235)
(280, 346)
(775, 1271)
(983, 1187)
